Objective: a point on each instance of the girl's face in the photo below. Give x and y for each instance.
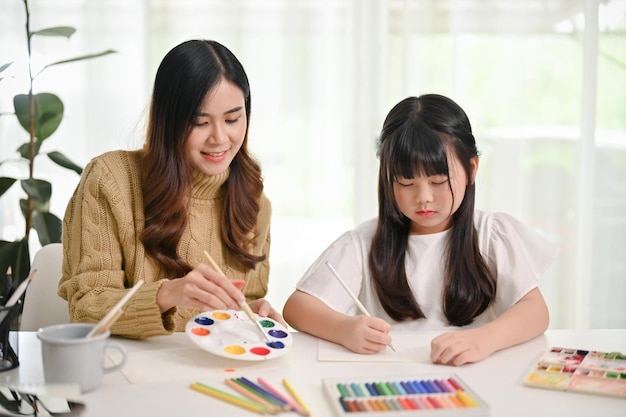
(218, 130)
(428, 202)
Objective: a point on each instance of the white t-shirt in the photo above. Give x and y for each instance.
(515, 252)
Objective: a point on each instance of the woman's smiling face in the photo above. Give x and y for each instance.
(218, 129)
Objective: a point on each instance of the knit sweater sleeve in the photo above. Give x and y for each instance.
(101, 255)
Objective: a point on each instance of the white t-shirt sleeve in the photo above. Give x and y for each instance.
(517, 254)
(319, 281)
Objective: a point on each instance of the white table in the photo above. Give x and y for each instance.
(497, 380)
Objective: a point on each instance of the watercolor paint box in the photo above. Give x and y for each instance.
(424, 395)
(579, 370)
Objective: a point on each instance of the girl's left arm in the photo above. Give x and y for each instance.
(524, 320)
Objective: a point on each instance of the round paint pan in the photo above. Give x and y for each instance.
(231, 334)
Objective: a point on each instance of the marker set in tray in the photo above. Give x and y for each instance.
(434, 395)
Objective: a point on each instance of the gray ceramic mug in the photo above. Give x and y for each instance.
(71, 358)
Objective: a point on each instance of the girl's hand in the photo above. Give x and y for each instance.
(203, 289)
(460, 347)
(263, 308)
(365, 334)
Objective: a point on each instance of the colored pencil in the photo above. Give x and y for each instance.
(294, 405)
(263, 392)
(244, 306)
(351, 294)
(295, 396)
(250, 394)
(229, 398)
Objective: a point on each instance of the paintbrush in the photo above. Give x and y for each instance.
(350, 293)
(244, 306)
(115, 313)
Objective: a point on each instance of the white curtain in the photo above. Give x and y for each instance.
(543, 82)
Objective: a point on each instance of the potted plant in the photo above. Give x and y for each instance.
(40, 115)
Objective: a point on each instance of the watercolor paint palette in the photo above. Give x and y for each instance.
(424, 395)
(579, 370)
(231, 334)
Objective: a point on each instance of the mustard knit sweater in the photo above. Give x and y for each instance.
(103, 255)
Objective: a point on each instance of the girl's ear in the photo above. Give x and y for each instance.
(474, 169)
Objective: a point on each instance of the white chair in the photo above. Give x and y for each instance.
(42, 305)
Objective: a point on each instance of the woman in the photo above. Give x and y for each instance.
(152, 213)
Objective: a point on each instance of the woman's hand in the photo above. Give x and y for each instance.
(263, 308)
(203, 289)
(364, 334)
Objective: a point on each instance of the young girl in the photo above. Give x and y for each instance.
(152, 213)
(430, 261)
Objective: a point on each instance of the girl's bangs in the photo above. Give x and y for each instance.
(418, 151)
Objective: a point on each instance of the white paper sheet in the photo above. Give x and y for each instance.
(188, 364)
(410, 347)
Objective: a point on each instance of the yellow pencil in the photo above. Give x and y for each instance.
(296, 397)
(231, 399)
(291, 403)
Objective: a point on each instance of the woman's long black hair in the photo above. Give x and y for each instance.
(417, 137)
(187, 73)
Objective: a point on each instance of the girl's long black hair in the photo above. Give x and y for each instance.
(417, 138)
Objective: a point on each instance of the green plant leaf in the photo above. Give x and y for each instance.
(24, 149)
(48, 227)
(16, 255)
(80, 58)
(38, 190)
(65, 31)
(64, 161)
(5, 184)
(23, 205)
(48, 113)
